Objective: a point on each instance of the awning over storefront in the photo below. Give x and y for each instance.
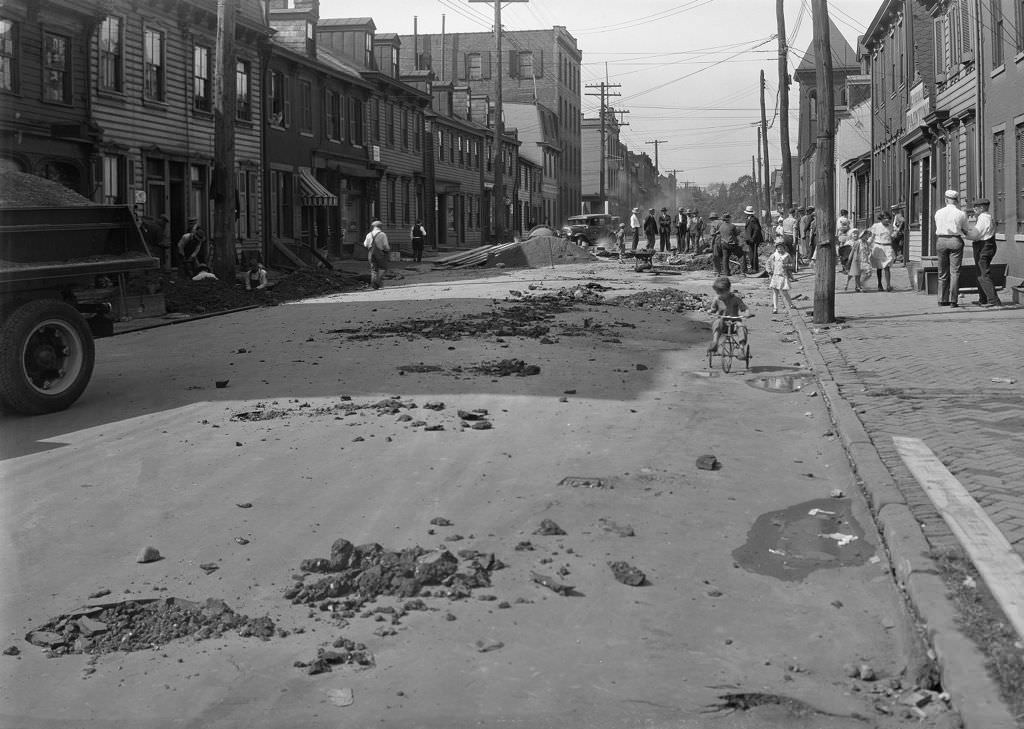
(313, 193)
(353, 170)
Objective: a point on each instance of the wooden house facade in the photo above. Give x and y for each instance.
(45, 124)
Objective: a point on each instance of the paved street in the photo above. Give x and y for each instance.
(154, 454)
(909, 367)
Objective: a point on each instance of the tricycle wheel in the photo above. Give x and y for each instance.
(46, 357)
(727, 353)
(746, 356)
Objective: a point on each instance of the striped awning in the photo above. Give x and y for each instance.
(313, 193)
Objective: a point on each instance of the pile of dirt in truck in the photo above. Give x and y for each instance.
(19, 189)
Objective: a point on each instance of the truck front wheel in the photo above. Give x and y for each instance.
(46, 357)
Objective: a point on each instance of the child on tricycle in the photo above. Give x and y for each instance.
(729, 310)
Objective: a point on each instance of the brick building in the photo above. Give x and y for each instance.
(539, 66)
(614, 171)
(536, 127)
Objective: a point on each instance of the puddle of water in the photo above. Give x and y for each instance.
(791, 543)
(789, 382)
(771, 368)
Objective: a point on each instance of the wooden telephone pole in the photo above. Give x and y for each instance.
(767, 168)
(787, 159)
(498, 197)
(825, 171)
(222, 186)
(604, 93)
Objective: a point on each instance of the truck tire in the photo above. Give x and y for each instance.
(46, 357)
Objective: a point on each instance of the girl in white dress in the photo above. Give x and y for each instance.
(779, 266)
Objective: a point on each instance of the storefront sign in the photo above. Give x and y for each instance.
(918, 106)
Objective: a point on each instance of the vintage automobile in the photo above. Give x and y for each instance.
(596, 229)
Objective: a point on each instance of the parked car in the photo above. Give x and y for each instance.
(596, 229)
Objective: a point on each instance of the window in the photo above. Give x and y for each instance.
(243, 89)
(245, 182)
(8, 55)
(390, 119)
(392, 217)
(998, 28)
(999, 181)
(283, 224)
(417, 122)
(153, 85)
(406, 212)
(375, 122)
(475, 66)
(333, 123)
(405, 128)
(111, 61)
(280, 101)
(305, 106)
(525, 69)
(355, 121)
(201, 85)
(1020, 178)
(113, 179)
(56, 68)
(440, 145)
(462, 154)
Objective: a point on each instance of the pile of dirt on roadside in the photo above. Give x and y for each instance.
(308, 282)
(19, 189)
(142, 624)
(352, 576)
(672, 300)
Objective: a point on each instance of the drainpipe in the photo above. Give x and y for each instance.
(979, 100)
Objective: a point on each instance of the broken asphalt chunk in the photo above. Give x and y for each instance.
(708, 463)
(549, 528)
(627, 574)
(148, 554)
(551, 583)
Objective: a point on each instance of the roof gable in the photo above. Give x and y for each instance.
(843, 55)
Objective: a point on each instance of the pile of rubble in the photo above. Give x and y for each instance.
(666, 299)
(20, 189)
(142, 624)
(352, 576)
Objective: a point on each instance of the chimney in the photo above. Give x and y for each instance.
(461, 102)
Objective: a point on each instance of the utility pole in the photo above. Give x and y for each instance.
(787, 159)
(498, 197)
(825, 171)
(764, 141)
(604, 93)
(656, 142)
(222, 187)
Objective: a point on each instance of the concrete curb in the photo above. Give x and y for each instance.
(964, 675)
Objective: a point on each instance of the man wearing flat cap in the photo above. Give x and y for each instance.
(651, 229)
(983, 241)
(899, 228)
(950, 230)
(376, 243)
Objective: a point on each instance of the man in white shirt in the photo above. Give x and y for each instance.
(983, 237)
(376, 242)
(634, 223)
(950, 230)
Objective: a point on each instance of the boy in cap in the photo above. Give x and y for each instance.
(983, 241)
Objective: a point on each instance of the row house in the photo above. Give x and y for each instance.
(536, 127)
(947, 80)
(540, 67)
(641, 182)
(853, 150)
(115, 100)
(844, 65)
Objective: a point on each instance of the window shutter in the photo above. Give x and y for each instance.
(966, 43)
(538, 64)
(486, 64)
(513, 64)
(286, 90)
(465, 66)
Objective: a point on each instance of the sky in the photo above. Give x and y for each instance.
(689, 69)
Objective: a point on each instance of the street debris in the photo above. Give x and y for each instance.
(363, 573)
(209, 567)
(627, 574)
(1004, 380)
(549, 528)
(587, 482)
(486, 646)
(343, 652)
(148, 554)
(551, 583)
(506, 367)
(99, 593)
(244, 505)
(730, 703)
(12, 650)
(142, 624)
(610, 526)
(220, 384)
(708, 463)
(440, 521)
(341, 697)
(671, 300)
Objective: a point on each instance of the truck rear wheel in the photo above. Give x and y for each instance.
(46, 357)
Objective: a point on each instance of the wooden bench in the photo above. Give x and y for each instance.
(928, 278)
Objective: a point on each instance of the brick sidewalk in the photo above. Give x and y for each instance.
(911, 368)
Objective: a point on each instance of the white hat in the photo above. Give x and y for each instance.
(749, 210)
(376, 224)
(952, 194)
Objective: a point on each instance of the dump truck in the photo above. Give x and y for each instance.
(59, 268)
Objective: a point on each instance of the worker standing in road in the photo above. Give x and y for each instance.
(419, 236)
(682, 222)
(376, 242)
(634, 223)
(664, 230)
(651, 229)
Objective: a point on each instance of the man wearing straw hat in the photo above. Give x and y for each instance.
(753, 236)
(376, 242)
